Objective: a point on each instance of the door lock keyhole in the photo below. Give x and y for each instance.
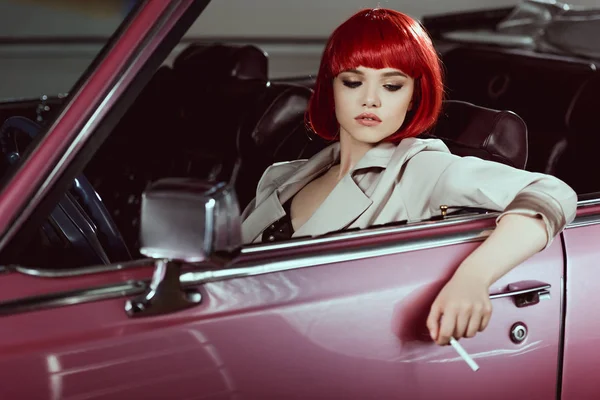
(518, 332)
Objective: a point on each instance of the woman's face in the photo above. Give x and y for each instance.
(371, 104)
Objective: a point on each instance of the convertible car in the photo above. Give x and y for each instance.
(123, 271)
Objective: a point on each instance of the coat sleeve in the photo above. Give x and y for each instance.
(473, 182)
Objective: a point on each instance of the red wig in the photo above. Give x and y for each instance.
(379, 38)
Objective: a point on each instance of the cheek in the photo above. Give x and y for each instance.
(399, 110)
(341, 103)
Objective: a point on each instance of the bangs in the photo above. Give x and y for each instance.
(379, 38)
(375, 41)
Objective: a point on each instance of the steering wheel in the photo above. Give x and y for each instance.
(80, 216)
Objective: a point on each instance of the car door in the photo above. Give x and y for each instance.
(334, 317)
(346, 319)
(581, 352)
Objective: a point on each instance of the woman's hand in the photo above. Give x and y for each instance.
(461, 309)
(463, 306)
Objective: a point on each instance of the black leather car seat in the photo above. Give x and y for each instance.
(220, 60)
(230, 109)
(471, 130)
(538, 87)
(216, 86)
(262, 122)
(580, 165)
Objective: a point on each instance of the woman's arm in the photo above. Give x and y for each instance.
(534, 207)
(463, 306)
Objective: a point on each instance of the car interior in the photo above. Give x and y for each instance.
(216, 105)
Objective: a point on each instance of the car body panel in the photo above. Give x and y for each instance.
(353, 328)
(581, 355)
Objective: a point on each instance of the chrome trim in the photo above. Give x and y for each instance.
(258, 248)
(585, 220)
(263, 247)
(69, 298)
(543, 289)
(73, 272)
(337, 256)
(367, 233)
(589, 202)
(164, 294)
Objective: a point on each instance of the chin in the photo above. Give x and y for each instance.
(368, 137)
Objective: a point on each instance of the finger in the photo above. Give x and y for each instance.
(447, 327)
(474, 324)
(462, 321)
(487, 315)
(433, 321)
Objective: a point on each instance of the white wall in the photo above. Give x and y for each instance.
(316, 18)
(30, 71)
(228, 18)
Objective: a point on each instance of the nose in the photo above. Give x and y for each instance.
(371, 98)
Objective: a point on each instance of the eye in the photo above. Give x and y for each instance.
(392, 88)
(352, 84)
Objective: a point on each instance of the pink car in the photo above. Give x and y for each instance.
(109, 293)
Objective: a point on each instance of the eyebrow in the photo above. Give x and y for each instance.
(385, 74)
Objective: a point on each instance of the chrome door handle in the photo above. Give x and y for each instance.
(525, 293)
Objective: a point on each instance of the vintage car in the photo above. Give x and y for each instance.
(124, 275)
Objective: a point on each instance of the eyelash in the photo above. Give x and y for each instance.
(354, 85)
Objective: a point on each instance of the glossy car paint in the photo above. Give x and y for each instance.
(350, 329)
(582, 317)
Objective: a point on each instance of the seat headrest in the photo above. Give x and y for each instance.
(274, 131)
(219, 60)
(470, 130)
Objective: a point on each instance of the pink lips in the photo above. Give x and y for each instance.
(368, 119)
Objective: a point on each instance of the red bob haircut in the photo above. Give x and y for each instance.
(379, 38)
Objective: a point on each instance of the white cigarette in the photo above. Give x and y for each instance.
(465, 356)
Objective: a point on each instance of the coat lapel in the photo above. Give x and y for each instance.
(270, 209)
(314, 167)
(345, 203)
(266, 213)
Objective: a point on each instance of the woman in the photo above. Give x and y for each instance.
(379, 86)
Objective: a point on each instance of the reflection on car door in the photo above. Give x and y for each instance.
(355, 329)
(581, 352)
(323, 319)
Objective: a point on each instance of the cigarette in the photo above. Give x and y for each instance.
(465, 356)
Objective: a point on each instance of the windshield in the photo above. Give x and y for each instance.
(46, 45)
(46, 48)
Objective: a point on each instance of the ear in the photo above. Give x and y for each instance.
(410, 106)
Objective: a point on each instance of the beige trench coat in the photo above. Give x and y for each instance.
(408, 181)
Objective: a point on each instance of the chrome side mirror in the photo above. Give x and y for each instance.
(187, 220)
(184, 221)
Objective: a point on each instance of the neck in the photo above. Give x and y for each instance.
(351, 151)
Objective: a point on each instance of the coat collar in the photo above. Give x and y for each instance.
(378, 157)
(345, 203)
(341, 207)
